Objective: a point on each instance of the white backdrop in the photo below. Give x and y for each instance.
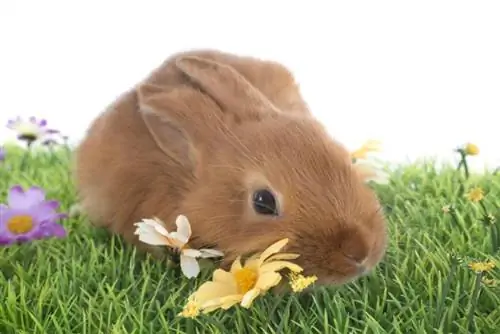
(422, 77)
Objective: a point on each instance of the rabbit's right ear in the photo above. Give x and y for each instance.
(180, 120)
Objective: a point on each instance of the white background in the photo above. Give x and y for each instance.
(421, 76)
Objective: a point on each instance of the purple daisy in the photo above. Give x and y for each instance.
(2, 154)
(29, 216)
(30, 130)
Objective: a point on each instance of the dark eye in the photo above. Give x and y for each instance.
(264, 202)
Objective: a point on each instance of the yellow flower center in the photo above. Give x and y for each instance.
(246, 279)
(20, 224)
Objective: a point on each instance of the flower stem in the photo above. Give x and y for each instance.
(474, 298)
(464, 163)
(26, 154)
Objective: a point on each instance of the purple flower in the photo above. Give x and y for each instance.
(30, 130)
(29, 216)
(2, 154)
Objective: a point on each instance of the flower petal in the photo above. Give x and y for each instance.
(53, 230)
(153, 238)
(223, 303)
(249, 297)
(283, 256)
(189, 266)
(212, 290)
(157, 224)
(183, 228)
(267, 280)
(207, 253)
(274, 248)
(275, 266)
(236, 264)
(222, 276)
(194, 253)
(35, 195)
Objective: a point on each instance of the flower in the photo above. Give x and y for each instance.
(476, 194)
(480, 267)
(370, 172)
(446, 208)
(2, 154)
(299, 282)
(471, 149)
(490, 281)
(152, 231)
(365, 149)
(243, 283)
(29, 216)
(30, 130)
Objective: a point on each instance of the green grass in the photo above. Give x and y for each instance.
(92, 283)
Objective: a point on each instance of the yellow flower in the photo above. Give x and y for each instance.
(152, 231)
(476, 194)
(471, 149)
(362, 152)
(480, 267)
(446, 208)
(490, 281)
(299, 282)
(243, 283)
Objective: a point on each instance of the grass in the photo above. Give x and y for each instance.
(92, 283)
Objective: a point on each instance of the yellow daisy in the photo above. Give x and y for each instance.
(476, 194)
(471, 149)
(243, 283)
(480, 267)
(365, 149)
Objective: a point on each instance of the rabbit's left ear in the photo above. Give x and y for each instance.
(227, 87)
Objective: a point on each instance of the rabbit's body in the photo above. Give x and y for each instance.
(203, 134)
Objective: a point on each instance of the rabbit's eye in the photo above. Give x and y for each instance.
(264, 202)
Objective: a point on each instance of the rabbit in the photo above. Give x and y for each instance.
(229, 142)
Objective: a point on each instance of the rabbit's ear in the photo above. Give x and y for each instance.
(179, 119)
(235, 94)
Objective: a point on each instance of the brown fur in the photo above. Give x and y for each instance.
(204, 130)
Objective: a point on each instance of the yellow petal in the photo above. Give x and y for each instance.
(223, 303)
(278, 265)
(222, 276)
(283, 256)
(236, 264)
(274, 248)
(267, 281)
(213, 290)
(249, 297)
(229, 301)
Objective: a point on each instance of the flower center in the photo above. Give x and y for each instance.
(20, 224)
(246, 279)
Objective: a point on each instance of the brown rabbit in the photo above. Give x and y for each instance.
(229, 142)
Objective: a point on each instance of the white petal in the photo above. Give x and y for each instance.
(143, 228)
(180, 239)
(206, 253)
(158, 226)
(189, 266)
(191, 252)
(183, 227)
(153, 238)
